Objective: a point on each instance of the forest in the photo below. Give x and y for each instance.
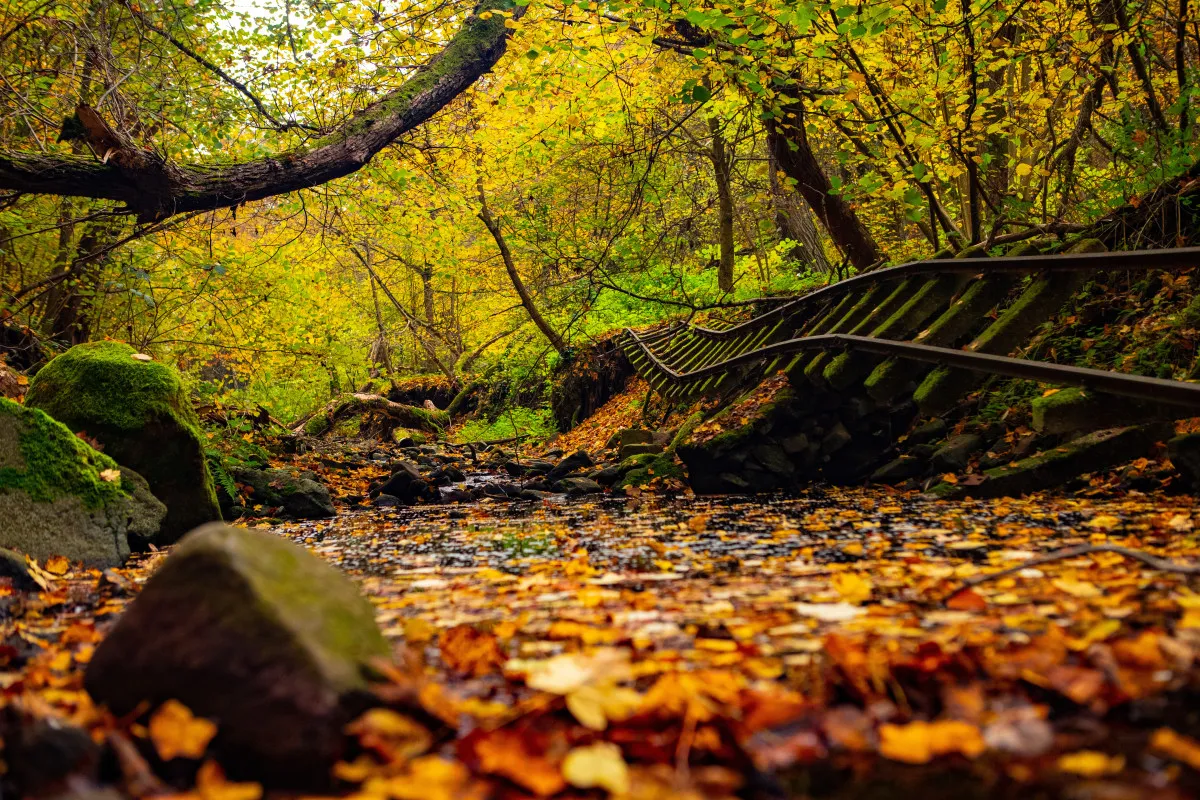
(419, 399)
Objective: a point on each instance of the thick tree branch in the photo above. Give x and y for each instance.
(157, 189)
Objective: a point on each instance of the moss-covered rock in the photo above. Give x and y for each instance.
(138, 410)
(650, 467)
(58, 496)
(257, 633)
(300, 495)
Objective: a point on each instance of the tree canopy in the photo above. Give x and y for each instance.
(288, 196)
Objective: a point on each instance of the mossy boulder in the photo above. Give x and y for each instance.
(58, 496)
(256, 633)
(139, 411)
(299, 495)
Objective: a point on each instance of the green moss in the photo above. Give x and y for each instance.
(140, 411)
(317, 425)
(118, 391)
(55, 463)
(654, 466)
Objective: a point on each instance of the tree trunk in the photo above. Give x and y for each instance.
(794, 221)
(526, 298)
(721, 169)
(789, 146)
(157, 189)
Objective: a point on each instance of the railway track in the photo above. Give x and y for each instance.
(873, 331)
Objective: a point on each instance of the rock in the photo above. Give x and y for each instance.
(532, 466)
(456, 495)
(931, 431)
(641, 470)
(48, 757)
(1184, 452)
(606, 476)
(538, 484)
(1074, 409)
(15, 567)
(447, 475)
(628, 450)
(794, 444)
(576, 461)
(408, 485)
(837, 438)
(628, 436)
(387, 501)
(774, 459)
(531, 494)
(301, 495)
(58, 496)
(251, 630)
(139, 411)
(956, 453)
(1095, 451)
(578, 486)
(899, 469)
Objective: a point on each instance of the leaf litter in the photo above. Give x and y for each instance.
(688, 647)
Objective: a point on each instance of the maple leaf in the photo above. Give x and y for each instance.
(512, 754)
(57, 565)
(176, 733)
(469, 651)
(110, 475)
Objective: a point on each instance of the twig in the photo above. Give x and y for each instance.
(1081, 550)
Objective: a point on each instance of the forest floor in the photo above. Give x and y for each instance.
(672, 646)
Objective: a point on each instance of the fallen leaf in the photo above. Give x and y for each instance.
(829, 612)
(920, 742)
(1176, 746)
(853, 588)
(177, 733)
(597, 766)
(1091, 763)
(57, 565)
(470, 652)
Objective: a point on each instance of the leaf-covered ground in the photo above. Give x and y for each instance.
(683, 647)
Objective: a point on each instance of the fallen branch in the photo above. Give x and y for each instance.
(1154, 562)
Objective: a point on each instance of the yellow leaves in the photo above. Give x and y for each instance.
(509, 753)
(176, 733)
(1077, 588)
(1177, 746)
(57, 565)
(921, 742)
(589, 683)
(852, 587)
(469, 651)
(1103, 522)
(425, 778)
(565, 673)
(595, 706)
(598, 766)
(1024, 169)
(391, 734)
(110, 475)
(1091, 763)
(950, 478)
